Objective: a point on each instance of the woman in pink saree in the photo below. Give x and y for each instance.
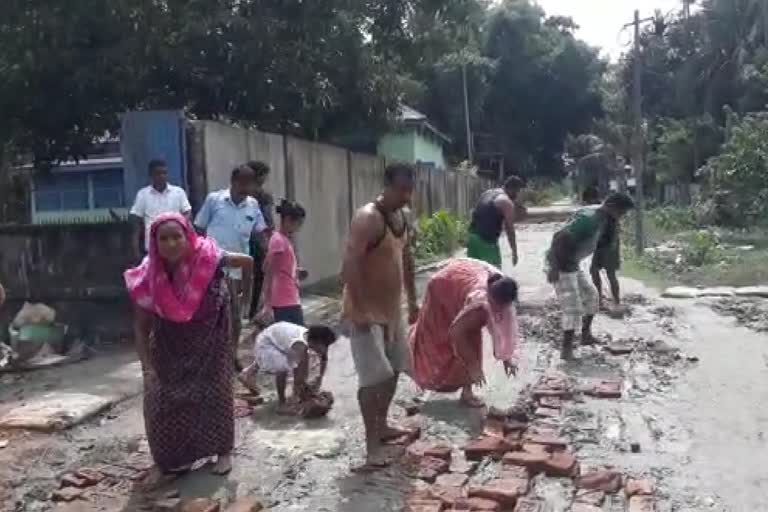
(461, 299)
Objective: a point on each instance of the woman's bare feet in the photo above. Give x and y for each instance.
(470, 399)
(223, 465)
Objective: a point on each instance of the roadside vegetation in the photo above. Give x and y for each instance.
(440, 235)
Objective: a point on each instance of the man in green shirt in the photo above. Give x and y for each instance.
(573, 243)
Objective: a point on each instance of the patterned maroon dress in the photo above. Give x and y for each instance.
(188, 405)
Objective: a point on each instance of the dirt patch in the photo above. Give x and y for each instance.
(750, 312)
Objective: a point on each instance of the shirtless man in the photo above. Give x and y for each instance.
(377, 266)
(494, 211)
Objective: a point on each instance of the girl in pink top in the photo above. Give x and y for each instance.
(280, 296)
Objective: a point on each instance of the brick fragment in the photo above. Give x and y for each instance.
(493, 427)
(421, 449)
(589, 497)
(429, 468)
(246, 504)
(585, 507)
(506, 492)
(200, 505)
(529, 505)
(424, 506)
(448, 495)
(70, 480)
(638, 488)
(542, 392)
(477, 505)
(606, 389)
(67, 494)
(534, 462)
(641, 504)
(551, 402)
(552, 441)
(91, 476)
(452, 480)
(561, 464)
(603, 480)
(486, 447)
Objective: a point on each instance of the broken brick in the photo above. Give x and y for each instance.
(589, 497)
(91, 476)
(529, 505)
(429, 468)
(545, 392)
(606, 389)
(67, 494)
(552, 441)
(561, 464)
(536, 449)
(544, 412)
(603, 480)
(493, 428)
(424, 449)
(638, 488)
(246, 504)
(452, 480)
(551, 402)
(620, 349)
(641, 504)
(447, 494)
(506, 492)
(477, 505)
(534, 462)
(486, 447)
(70, 480)
(585, 507)
(200, 505)
(424, 506)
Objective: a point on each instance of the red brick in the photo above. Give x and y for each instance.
(607, 389)
(245, 504)
(449, 495)
(641, 504)
(585, 507)
(529, 505)
(589, 497)
(429, 468)
(452, 480)
(91, 476)
(493, 427)
(561, 464)
(477, 505)
(70, 480)
(200, 505)
(424, 506)
(551, 402)
(603, 480)
(506, 492)
(536, 449)
(534, 462)
(425, 449)
(552, 441)
(486, 447)
(542, 392)
(67, 494)
(638, 488)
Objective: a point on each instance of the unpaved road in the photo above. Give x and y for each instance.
(700, 424)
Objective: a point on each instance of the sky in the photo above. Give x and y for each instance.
(601, 20)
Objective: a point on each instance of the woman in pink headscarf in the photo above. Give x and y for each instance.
(183, 338)
(464, 297)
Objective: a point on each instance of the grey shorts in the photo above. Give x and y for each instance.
(379, 357)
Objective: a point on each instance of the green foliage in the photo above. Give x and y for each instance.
(739, 175)
(701, 248)
(442, 234)
(673, 219)
(542, 193)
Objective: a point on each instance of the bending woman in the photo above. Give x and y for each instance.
(446, 342)
(181, 323)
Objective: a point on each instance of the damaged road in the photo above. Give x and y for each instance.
(687, 419)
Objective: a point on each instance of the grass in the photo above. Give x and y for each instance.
(710, 256)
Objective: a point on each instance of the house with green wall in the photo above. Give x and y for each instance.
(414, 139)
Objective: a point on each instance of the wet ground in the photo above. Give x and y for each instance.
(694, 403)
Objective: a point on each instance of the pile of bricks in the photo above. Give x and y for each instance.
(526, 441)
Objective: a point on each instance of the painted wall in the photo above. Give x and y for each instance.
(397, 146)
(427, 149)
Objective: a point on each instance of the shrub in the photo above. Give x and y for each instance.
(674, 218)
(701, 248)
(441, 234)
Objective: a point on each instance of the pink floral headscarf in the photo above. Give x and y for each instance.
(176, 299)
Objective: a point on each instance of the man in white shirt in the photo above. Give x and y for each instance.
(157, 198)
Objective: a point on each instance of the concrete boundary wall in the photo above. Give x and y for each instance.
(330, 182)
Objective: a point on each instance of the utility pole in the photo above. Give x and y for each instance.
(638, 154)
(470, 150)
